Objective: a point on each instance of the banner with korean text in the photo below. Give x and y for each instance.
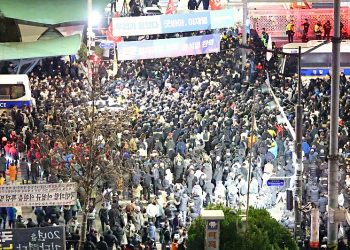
(50, 194)
(149, 49)
(162, 24)
(48, 238)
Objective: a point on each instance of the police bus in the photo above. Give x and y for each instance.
(317, 63)
(15, 92)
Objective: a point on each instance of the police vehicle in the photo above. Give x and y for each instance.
(317, 63)
(15, 92)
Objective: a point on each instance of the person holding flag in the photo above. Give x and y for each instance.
(170, 8)
(215, 4)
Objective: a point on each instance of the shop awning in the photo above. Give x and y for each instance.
(42, 48)
(49, 12)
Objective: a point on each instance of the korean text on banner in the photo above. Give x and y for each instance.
(51, 194)
(162, 24)
(48, 238)
(173, 47)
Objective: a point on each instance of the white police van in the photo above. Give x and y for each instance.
(15, 92)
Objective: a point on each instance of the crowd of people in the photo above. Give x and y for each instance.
(193, 144)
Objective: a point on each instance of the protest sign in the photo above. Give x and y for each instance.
(50, 194)
(173, 47)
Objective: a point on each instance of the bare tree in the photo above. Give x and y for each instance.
(88, 147)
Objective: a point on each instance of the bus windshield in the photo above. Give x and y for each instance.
(291, 65)
(11, 91)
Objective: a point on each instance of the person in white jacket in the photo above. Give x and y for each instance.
(152, 211)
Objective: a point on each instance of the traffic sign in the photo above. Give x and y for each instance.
(106, 44)
(275, 183)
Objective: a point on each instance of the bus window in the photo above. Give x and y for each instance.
(319, 60)
(17, 91)
(5, 92)
(291, 65)
(345, 60)
(11, 92)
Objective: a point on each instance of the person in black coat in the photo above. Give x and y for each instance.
(31, 223)
(192, 4)
(102, 244)
(91, 236)
(110, 239)
(88, 245)
(103, 214)
(147, 180)
(115, 218)
(118, 233)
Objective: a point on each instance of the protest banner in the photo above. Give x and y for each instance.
(173, 47)
(48, 238)
(162, 24)
(50, 194)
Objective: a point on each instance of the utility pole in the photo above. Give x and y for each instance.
(244, 33)
(299, 153)
(333, 167)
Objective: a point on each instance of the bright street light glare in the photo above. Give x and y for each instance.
(94, 18)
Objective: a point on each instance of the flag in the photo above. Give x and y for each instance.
(215, 4)
(307, 5)
(109, 32)
(170, 8)
(279, 128)
(269, 47)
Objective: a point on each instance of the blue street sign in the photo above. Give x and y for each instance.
(106, 45)
(275, 183)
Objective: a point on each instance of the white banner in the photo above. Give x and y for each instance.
(50, 194)
(164, 24)
(172, 47)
